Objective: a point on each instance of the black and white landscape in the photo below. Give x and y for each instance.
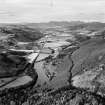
(56, 61)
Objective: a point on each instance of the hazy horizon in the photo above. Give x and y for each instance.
(36, 11)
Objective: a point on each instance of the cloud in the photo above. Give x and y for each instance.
(47, 10)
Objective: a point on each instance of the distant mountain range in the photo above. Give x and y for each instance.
(33, 31)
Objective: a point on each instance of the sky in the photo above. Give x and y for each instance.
(21, 11)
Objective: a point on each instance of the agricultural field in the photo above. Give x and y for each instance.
(55, 63)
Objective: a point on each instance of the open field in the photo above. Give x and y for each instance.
(52, 64)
